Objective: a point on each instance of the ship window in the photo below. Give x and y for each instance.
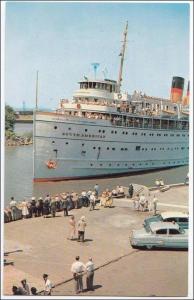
(107, 148)
(53, 142)
(55, 127)
(126, 149)
(99, 148)
(82, 144)
(91, 165)
(103, 131)
(69, 128)
(99, 130)
(138, 148)
(109, 165)
(113, 148)
(66, 143)
(115, 131)
(118, 165)
(112, 131)
(121, 149)
(94, 147)
(86, 130)
(101, 165)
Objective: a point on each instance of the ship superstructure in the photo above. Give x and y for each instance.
(103, 131)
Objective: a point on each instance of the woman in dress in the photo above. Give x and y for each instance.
(72, 224)
(25, 211)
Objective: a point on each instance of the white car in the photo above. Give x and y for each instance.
(161, 235)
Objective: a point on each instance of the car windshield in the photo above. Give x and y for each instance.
(147, 227)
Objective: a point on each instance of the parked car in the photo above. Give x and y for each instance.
(181, 218)
(160, 234)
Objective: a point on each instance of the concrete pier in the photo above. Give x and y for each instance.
(40, 245)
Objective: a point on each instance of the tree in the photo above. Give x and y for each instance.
(9, 118)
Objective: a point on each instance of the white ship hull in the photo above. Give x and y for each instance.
(87, 148)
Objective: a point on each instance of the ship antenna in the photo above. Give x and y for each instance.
(37, 90)
(95, 66)
(122, 54)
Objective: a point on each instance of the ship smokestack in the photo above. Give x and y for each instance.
(177, 89)
(186, 98)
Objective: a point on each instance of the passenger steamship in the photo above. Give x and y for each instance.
(104, 131)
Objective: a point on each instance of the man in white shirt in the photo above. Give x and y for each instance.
(13, 207)
(90, 274)
(77, 269)
(92, 201)
(48, 285)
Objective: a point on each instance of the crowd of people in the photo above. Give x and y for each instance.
(142, 203)
(50, 205)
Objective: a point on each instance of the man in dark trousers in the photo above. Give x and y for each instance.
(131, 191)
(65, 205)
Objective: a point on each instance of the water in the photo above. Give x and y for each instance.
(21, 128)
(19, 183)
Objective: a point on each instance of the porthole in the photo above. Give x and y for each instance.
(126, 149)
(94, 148)
(91, 165)
(115, 131)
(103, 131)
(109, 165)
(83, 144)
(55, 127)
(63, 133)
(107, 148)
(101, 165)
(99, 130)
(86, 130)
(69, 128)
(66, 143)
(113, 148)
(121, 149)
(53, 142)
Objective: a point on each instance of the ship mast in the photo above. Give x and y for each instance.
(122, 54)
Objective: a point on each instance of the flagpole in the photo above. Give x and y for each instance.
(37, 90)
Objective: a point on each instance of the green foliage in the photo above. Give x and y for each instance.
(9, 118)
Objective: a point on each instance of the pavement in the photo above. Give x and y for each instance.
(40, 245)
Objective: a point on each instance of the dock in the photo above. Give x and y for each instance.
(40, 245)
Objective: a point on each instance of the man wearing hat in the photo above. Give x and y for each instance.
(77, 269)
(48, 285)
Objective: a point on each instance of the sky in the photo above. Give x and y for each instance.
(61, 40)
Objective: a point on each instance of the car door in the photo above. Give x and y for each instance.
(160, 237)
(177, 238)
